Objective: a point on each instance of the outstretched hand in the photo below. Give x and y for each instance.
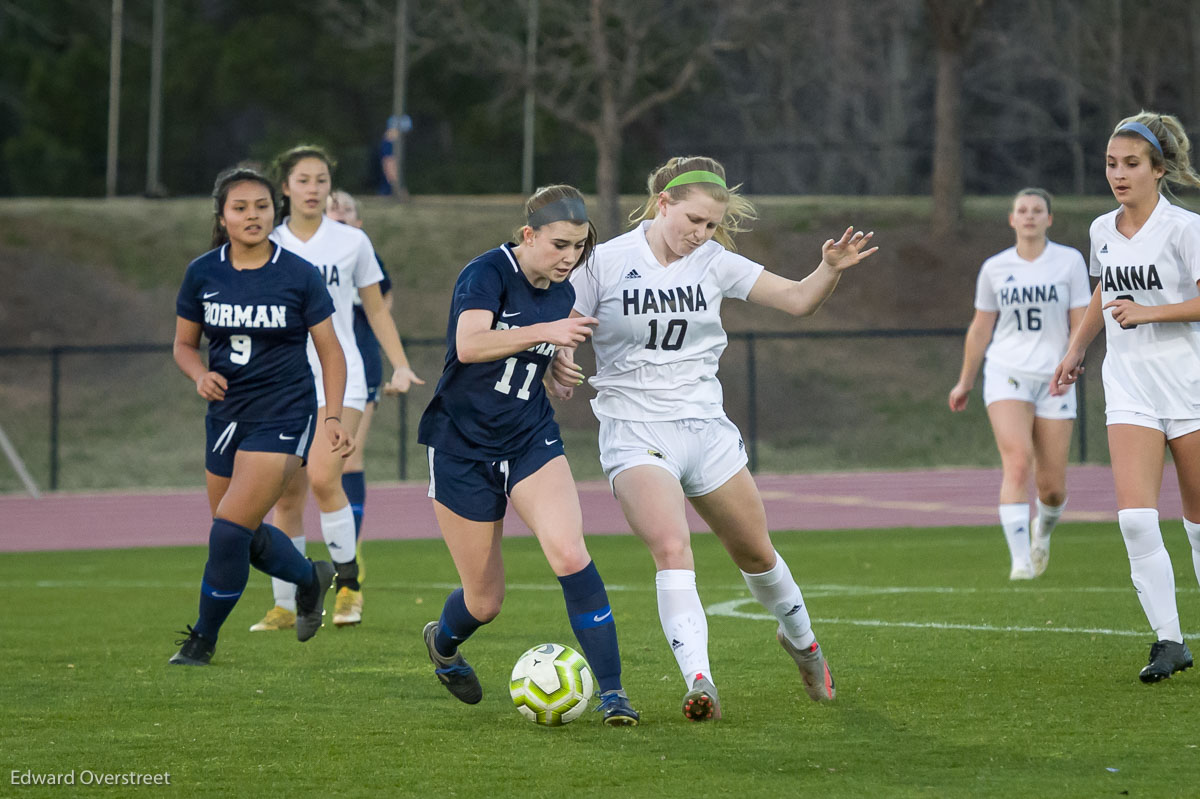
(402, 380)
(848, 250)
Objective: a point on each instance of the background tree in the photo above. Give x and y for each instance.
(952, 23)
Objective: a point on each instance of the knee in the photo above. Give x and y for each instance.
(1016, 468)
(1053, 497)
(568, 557)
(484, 607)
(324, 489)
(1139, 528)
(672, 553)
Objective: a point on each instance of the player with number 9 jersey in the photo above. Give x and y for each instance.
(257, 323)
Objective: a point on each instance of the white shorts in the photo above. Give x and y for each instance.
(356, 379)
(702, 454)
(1171, 428)
(1000, 383)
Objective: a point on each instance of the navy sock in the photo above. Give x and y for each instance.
(355, 486)
(455, 625)
(592, 620)
(225, 575)
(271, 551)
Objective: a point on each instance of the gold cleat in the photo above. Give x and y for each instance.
(277, 618)
(347, 608)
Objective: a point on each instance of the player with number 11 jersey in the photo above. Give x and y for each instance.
(491, 410)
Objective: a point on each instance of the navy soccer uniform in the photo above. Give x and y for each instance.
(493, 416)
(368, 344)
(256, 322)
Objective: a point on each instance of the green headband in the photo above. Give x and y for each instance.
(696, 176)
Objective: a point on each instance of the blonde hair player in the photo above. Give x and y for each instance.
(1146, 254)
(664, 437)
(1028, 299)
(348, 606)
(346, 259)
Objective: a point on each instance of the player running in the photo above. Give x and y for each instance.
(1147, 257)
(664, 437)
(257, 304)
(1028, 299)
(346, 260)
(492, 437)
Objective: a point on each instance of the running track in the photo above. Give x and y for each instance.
(837, 501)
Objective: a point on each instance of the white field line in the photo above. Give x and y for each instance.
(732, 609)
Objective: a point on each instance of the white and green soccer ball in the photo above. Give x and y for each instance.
(551, 684)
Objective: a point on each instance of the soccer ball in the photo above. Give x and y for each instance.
(551, 684)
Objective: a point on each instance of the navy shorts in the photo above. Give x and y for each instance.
(479, 490)
(225, 438)
(373, 369)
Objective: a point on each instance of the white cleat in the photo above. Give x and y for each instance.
(1039, 548)
(1021, 571)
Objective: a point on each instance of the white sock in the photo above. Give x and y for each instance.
(285, 592)
(778, 593)
(1193, 532)
(338, 528)
(1014, 518)
(683, 621)
(1048, 516)
(1150, 570)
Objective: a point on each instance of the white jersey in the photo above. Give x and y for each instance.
(660, 335)
(1153, 369)
(1033, 300)
(345, 257)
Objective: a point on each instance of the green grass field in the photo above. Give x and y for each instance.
(952, 681)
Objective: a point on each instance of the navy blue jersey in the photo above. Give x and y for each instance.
(494, 410)
(257, 322)
(364, 336)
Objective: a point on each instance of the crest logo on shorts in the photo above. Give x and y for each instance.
(1012, 381)
(657, 454)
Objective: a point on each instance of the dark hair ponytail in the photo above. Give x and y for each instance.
(226, 181)
(286, 161)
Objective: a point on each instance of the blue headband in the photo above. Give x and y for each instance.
(565, 209)
(1145, 133)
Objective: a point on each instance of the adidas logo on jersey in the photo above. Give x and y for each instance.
(633, 274)
(1010, 279)
(1104, 248)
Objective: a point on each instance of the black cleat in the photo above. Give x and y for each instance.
(1166, 658)
(195, 651)
(454, 672)
(310, 601)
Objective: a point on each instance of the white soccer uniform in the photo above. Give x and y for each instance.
(347, 260)
(1151, 369)
(1032, 301)
(658, 344)
(660, 335)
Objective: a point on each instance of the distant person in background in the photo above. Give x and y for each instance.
(346, 260)
(1146, 254)
(665, 440)
(491, 436)
(1028, 299)
(257, 304)
(341, 207)
(389, 158)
